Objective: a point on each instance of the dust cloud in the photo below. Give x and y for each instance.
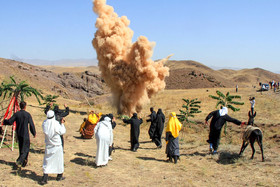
(126, 67)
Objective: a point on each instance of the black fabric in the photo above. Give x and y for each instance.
(24, 146)
(152, 129)
(59, 114)
(216, 125)
(134, 131)
(111, 117)
(22, 119)
(111, 149)
(172, 147)
(160, 120)
(45, 178)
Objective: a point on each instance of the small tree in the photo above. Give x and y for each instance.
(227, 101)
(190, 108)
(49, 99)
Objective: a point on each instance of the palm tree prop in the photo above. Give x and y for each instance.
(17, 92)
(189, 110)
(227, 101)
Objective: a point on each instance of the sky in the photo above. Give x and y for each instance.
(217, 33)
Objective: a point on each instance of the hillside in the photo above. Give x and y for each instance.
(191, 74)
(75, 83)
(79, 82)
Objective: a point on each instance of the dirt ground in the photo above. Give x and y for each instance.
(148, 166)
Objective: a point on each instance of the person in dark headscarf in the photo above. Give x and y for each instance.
(134, 131)
(160, 119)
(219, 118)
(152, 119)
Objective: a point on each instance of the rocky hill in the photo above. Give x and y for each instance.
(76, 83)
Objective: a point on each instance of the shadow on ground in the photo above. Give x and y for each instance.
(227, 158)
(83, 162)
(195, 154)
(84, 155)
(120, 148)
(38, 151)
(151, 158)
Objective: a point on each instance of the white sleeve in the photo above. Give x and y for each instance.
(96, 127)
(60, 129)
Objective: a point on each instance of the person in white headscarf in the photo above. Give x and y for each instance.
(53, 159)
(104, 138)
(219, 117)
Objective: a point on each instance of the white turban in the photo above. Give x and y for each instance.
(223, 111)
(50, 114)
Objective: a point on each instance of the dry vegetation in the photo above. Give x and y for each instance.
(147, 167)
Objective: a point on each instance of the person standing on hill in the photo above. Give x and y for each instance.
(134, 131)
(152, 119)
(172, 137)
(53, 159)
(219, 117)
(22, 119)
(252, 101)
(160, 119)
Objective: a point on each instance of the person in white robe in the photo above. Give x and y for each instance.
(53, 159)
(104, 138)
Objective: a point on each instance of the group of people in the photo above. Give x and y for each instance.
(102, 127)
(53, 128)
(157, 125)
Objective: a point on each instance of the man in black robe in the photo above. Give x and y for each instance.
(152, 119)
(59, 115)
(160, 119)
(219, 117)
(22, 119)
(134, 131)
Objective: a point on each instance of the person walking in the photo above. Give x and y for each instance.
(152, 119)
(22, 119)
(172, 137)
(53, 159)
(160, 119)
(134, 131)
(219, 118)
(104, 139)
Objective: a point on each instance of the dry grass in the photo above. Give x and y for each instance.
(147, 167)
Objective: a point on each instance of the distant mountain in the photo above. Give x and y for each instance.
(62, 62)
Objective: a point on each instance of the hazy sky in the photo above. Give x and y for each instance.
(220, 33)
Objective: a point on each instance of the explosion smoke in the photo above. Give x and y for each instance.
(126, 67)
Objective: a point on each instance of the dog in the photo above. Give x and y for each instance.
(251, 135)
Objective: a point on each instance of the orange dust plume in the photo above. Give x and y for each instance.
(126, 67)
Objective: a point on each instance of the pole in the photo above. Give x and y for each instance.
(3, 136)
